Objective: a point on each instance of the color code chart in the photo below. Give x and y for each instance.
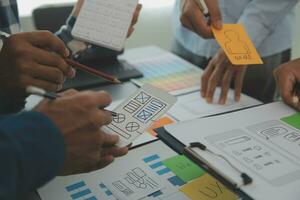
(170, 73)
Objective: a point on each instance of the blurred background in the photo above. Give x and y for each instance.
(154, 27)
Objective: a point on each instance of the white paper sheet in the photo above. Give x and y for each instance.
(257, 142)
(192, 106)
(105, 22)
(134, 183)
(138, 112)
(143, 156)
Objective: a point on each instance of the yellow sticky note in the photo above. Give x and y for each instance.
(237, 45)
(207, 188)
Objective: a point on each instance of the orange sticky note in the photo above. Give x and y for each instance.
(159, 123)
(207, 188)
(237, 45)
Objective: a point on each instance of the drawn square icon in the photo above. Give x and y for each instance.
(144, 115)
(142, 98)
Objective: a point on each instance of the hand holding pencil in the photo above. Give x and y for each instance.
(199, 15)
(79, 120)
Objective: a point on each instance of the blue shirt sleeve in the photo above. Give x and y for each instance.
(261, 17)
(31, 153)
(9, 105)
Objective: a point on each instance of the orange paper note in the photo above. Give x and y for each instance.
(237, 45)
(159, 123)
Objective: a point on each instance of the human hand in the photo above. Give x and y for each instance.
(34, 58)
(193, 18)
(78, 117)
(287, 77)
(221, 72)
(136, 15)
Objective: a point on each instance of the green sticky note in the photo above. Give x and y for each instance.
(293, 120)
(184, 168)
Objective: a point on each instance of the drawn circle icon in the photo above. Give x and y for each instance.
(132, 126)
(119, 118)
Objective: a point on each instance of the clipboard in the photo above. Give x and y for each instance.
(262, 141)
(180, 148)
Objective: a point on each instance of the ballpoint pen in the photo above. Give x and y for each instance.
(50, 95)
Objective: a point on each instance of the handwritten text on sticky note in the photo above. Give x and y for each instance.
(184, 168)
(207, 188)
(237, 45)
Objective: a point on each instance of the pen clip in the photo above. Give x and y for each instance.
(245, 177)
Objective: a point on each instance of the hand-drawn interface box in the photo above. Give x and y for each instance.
(259, 157)
(281, 135)
(137, 113)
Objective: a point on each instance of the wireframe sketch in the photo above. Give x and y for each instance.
(132, 126)
(135, 180)
(119, 118)
(234, 44)
(140, 179)
(142, 97)
(132, 106)
(148, 112)
(123, 188)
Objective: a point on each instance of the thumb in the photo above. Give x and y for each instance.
(215, 13)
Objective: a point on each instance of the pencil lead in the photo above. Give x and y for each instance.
(117, 81)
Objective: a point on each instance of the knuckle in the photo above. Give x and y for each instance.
(73, 91)
(51, 87)
(57, 76)
(46, 33)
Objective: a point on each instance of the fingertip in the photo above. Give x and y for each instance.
(218, 24)
(71, 73)
(66, 53)
(203, 94)
(109, 158)
(237, 98)
(115, 137)
(209, 100)
(222, 101)
(124, 151)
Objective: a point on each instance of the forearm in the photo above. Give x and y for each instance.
(32, 153)
(261, 17)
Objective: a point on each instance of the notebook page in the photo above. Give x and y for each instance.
(105, 22)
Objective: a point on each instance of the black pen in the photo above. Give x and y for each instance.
(51, 95)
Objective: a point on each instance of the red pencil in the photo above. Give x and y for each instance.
(93, 71)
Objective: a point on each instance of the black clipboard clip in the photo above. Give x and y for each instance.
(247, 180)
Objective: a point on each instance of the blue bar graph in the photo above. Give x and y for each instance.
(75, 186)
(156, 165)
(175, 180)
(91, 198)
(81, 194)
(151, 158)
(105, 190)
(80, 190)
(163, 171)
